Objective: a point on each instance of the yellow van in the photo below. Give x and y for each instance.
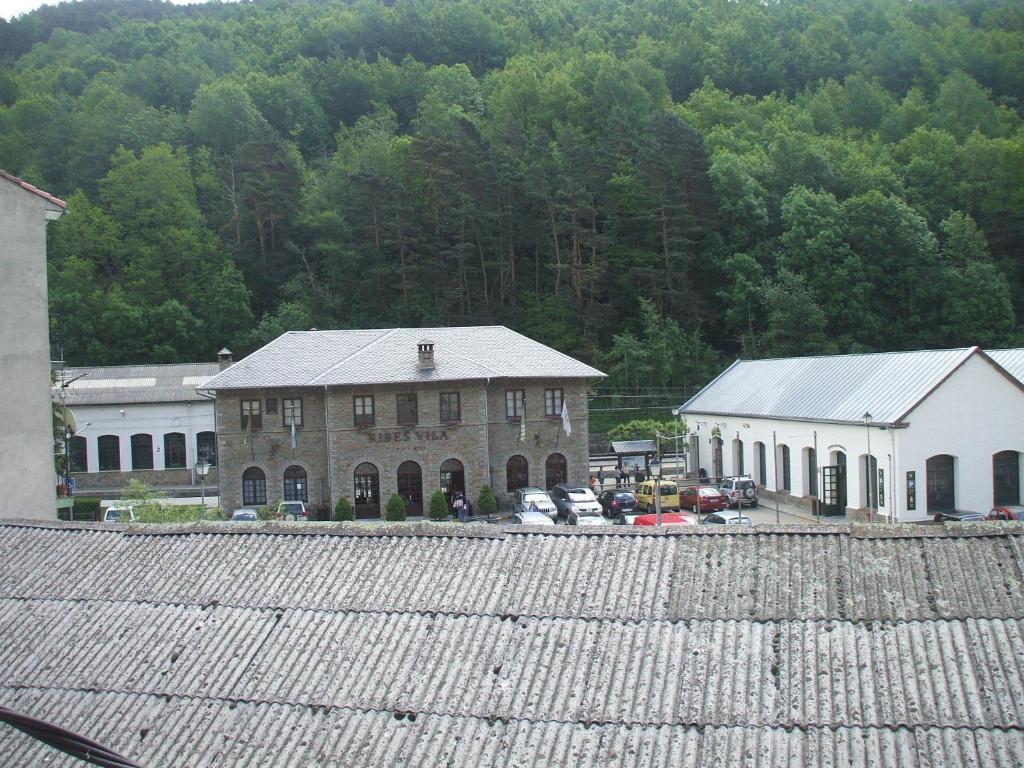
(669, 496)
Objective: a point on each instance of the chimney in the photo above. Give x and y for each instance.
(426, 354)
(224, 358)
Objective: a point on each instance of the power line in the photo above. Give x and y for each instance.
(68, 742)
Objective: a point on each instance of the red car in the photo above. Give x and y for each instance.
(667, 518)
(711, 499)
(1005, 513)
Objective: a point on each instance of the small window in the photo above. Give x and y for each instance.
(206, 447)
(174, 450)
(291, 408)
(552, 402)
(109, 453)
(362, 410)
(451, 408)
(252, 414)
(271, 406)
(142, 451)
(515, 400)
(408, 410)
(79, 454)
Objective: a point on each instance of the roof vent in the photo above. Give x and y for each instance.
(224, 358)
(426, 355)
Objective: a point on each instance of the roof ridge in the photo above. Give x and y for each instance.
(387, 334)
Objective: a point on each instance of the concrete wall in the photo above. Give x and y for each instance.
(27, 472)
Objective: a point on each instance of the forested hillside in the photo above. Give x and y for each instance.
(655, 186)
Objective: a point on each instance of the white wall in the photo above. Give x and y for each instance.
(154, 419)
(27, 472)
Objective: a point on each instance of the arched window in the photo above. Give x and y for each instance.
(716, 458)
(109, 453)
(555, 470)
(174, 450)
(295, 486)
(737, 456)
(1005, 478)
(517, 473)
(254, 486)
(811, 465)
(367, 491)
(206, 447)
(784, 478)
(762, 463)
(142, 451)
(869, 482)
(410, 487)
(941, 487)
(453, 477)
(79, 454)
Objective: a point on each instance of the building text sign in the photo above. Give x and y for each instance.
(406, 435)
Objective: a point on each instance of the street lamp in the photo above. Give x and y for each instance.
(867, 462)
(202, 469)
(655, 466)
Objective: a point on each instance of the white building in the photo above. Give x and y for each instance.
(944, 429)
(145, 422)
(27, 473)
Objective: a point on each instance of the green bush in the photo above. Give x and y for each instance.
(86, 508)
(343, 510)
(395, 510)
(167, 513)
(438, 506)
(486, 504)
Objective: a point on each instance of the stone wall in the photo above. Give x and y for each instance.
(157, 479)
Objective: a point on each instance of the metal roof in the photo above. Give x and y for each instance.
(837, 388)
(237, 645)
(1010, 359)
(124, 384)
(386, 356)
(634, 446)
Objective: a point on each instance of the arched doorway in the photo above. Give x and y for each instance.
(295, 486)
(367, 491)
(517, 473)
(941, 487)
(254, 486)
(716, 458)
(761, 468)
(811, 472)
(737, 457)
(453, 478)
(1005, 478)
(410, 487)
(555, 470)
(833, 485)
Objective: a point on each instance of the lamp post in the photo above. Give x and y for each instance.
(655, 466)
(202, 469)
(867, 462)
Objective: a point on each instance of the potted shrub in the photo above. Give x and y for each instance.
(395, 509)
(486, 504)
(438, 506)
(343, 510)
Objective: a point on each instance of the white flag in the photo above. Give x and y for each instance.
(293, 431)
(565, 420)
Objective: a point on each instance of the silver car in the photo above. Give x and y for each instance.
(530, 495)
(569, 499)
(530, 517)
(727, 517)
(585, 515)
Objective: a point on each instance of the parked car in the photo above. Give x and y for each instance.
(570, 499)
(119, 515)
(530, 495)
(527, 517)
(711, 499)
(617, 502)
(245, 515)
(291, 510)
(739, 491)
(727, 517)
(1006, 513)
(667, 518)
(587, 515)
(669, 495)
(958, 517)
(626, 519)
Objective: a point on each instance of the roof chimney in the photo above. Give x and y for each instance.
(224, 358)
(426, 354)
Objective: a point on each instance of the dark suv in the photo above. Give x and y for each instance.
(739, 491)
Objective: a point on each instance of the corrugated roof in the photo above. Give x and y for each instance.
(124, 384)
(365, 357)
(634, 446)
(837, 388)
(468, 646)
(1010, 359)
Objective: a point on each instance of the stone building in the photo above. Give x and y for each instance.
(363, 414)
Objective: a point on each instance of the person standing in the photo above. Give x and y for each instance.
(600, 477)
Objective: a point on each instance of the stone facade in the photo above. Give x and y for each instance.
(331, 447)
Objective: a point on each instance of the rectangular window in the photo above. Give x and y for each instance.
(271, 406)
(174, 450)
(109, 453)
(206, 447)
(251, 413)
(291, 408)
(451, 408)
(408, 411)
(79, 454)
(142, 451)
(362, 410)
(552, 402)
(515, 402)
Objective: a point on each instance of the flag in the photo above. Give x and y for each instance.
(247, 440)
(293, 430)
(565, 420)
(522, 429)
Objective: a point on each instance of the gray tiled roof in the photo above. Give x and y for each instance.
(334, 358)
(123, 384)
(837, 388)
(1010, 359)
(634, 446)
(240, 645)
